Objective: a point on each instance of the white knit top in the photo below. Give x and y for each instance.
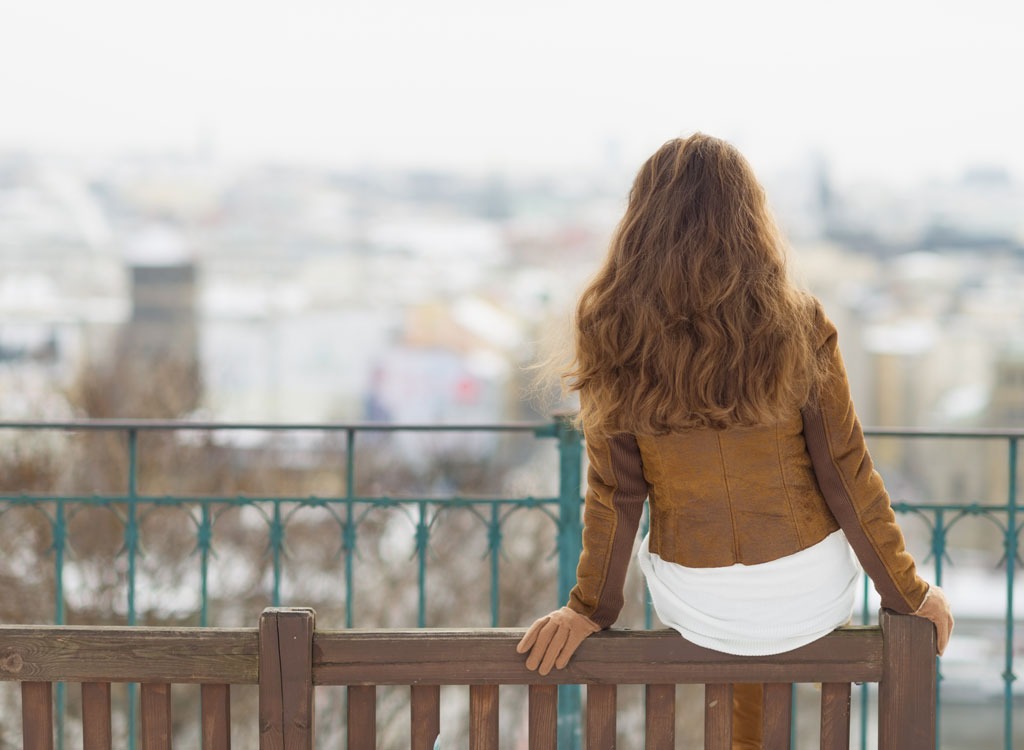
(755, 610)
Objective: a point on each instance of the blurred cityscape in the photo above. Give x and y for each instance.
(296, 294)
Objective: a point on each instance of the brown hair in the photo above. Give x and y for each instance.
(692, 320)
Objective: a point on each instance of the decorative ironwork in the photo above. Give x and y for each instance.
(348, 511)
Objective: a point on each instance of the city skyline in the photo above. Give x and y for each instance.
(898, 93)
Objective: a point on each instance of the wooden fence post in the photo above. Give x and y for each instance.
(37, 715)
(906, 694)
(286, 679)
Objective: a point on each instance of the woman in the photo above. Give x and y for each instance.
(711, 385)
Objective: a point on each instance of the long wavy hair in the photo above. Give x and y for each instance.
(692, 320)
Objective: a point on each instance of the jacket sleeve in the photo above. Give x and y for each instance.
(616, 490)
(852, 488)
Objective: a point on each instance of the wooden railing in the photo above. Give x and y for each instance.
(287, 658)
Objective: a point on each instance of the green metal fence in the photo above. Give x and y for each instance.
(348, 511)
(563, 507)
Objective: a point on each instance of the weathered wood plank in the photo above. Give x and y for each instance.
(78, 654)
(362, 717)
(835, 716)
(718, 716)
(487, 657)
(543, 717)
(295, 646)
(483, 717)
(601, 700)
(271, 689)
(223, 656)
(37, 715)
(425, 714)
(906, 694)
(156, 716)
(96, 731)
(661, 717)
(286, 679)
(778, 703)
(216, 717)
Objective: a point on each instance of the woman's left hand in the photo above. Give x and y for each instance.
(935, 607)
(554, 638)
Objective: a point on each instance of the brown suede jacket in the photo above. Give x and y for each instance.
(743, 495)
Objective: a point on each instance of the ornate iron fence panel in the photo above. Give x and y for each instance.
(133, 514)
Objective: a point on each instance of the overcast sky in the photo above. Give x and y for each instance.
(892, 89)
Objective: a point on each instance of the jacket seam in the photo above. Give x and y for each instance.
(728, 499)
(785, 487)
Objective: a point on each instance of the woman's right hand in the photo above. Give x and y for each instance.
(553, 639)
(935, 607)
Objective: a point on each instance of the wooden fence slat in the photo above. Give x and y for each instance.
(75, 653)
(543, 717)
(661, 717)
(426, 716)
(96, 733)
(835, 716)
(483, 717)
(156, 716)
(286, 679)
(778, 703)
(481, 657)
(718, 716)
(37, 715)
(271, 707)
(601, 701)
(216, 717)
(362, 717)
(906, 694)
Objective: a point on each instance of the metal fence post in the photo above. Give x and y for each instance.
(204, 541)
(60, 532)
(1011, 565)
(131, 544)
(570, 543)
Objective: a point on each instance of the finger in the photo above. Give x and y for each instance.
(557, 643)
(944, 634)
(531, 635)
(541, 638)
(540, 647)
(941, 623)
(573, 643)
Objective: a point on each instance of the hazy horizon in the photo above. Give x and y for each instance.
(898, 92)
